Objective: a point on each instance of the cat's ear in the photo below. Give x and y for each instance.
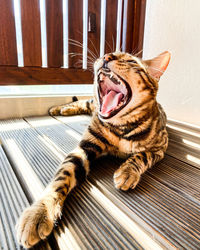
(158, 65)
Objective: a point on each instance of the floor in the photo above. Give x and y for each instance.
(163, 212)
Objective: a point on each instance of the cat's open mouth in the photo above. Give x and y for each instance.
(114, 93)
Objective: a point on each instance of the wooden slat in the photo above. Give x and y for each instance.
(54, 33)
(135, 26)
(75, 32)
(13, 202)
(94, 37)
(37, 75)
(184, 153)
(129, 28)
(31, 33)
(8, 49)
(78, 123)
(138, 29)
(180, 136)
(188, 128)
(111, 23)
(55, 131)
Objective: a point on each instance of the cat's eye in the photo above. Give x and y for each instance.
(131, 61)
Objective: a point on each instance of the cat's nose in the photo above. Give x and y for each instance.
(108, 58)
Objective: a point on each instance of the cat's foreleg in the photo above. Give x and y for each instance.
(74, 108)
(37, 221)
(129, 173)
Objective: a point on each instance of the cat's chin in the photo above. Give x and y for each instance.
(114, 93)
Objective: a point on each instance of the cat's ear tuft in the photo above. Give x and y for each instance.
(157, 66)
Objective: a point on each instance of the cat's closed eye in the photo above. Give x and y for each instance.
(131, 61)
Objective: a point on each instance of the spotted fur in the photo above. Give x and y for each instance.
(136, 133)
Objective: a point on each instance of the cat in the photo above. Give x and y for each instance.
(127, 122)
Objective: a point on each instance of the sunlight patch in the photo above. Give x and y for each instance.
(53, 147)
(190, 143)
(193, 159)
(29, 176)
(132, 227)
(183, 130)
(74, 134)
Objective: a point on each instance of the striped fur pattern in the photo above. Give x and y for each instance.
(137, 133)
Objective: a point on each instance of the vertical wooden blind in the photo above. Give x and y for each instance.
(60, 39)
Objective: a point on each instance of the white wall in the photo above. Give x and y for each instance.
(174, 25)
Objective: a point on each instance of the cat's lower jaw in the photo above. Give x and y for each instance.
(126, 178)
(36, 222)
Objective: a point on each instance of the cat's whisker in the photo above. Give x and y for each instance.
(91, 60)
(97, 54)
(73, 54)
(113, 43)
(91, 57)
(138, 53)
(90, 40)
(109, 46)
(89, 65)
(135, 51)
(79, 44)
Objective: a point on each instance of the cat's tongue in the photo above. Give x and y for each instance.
(110, 102)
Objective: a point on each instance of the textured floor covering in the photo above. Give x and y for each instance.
(164, 208)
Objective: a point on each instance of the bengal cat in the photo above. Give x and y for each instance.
(127, 122)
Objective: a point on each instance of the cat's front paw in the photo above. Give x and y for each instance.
(125, 178)
(35, 224)
(63, 110)
(55, 110)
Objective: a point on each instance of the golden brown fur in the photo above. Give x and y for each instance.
(136, 133)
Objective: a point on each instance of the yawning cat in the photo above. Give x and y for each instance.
(127, 122)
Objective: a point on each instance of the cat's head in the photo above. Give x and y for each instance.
(124, 82)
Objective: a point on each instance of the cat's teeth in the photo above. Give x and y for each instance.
(111, 75)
